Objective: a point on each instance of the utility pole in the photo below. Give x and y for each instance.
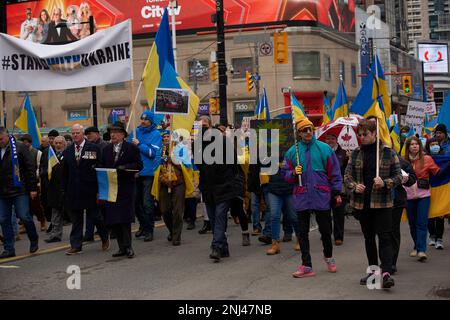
(94, 88)
(196, 63)
(256, 72)
(3, 30)
(221, 62)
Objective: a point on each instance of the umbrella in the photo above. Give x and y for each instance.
(344, 128)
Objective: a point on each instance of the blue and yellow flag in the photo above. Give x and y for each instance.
(27, 122)
(327, 110)
(340, 107)
(161, 54)
(411, 133)
(429, 125)
(440, 189)
(262, 109)
(297, 109)
(367, 103)
(395, 135)
(52, 161)
(107, 184)
(444, 113)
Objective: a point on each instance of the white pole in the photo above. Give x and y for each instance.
(173, 6)
(378, 123)
(133, 111)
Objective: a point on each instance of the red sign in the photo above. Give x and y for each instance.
(192, 14)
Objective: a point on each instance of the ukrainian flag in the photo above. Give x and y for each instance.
(429, 125)
(444, 113)
(395, 135)
(27, 122)
(262, 109)
(297, 109)
(367, 103)
(440, 189)
(161, 54)
(340, 107)
(52, 161)
(327, 111)
(107, 184)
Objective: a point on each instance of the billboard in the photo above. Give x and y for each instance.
(190, 15)
(434, 56)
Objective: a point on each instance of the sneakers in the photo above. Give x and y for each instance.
(7, 254)
(439, 244)
(51, 240)
(421, 256)
(73, 251)
(388, 281)
(206, 227)
(432, 242)
(413, 253)
(331, 264)
(303, 272)
(363, 280)
(245, 239)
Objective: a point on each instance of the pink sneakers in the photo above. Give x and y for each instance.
(303, 272)
(331, 264)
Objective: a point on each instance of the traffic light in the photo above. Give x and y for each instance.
(249, 81)
(280, 45)
(214, 106)
(407, 85)
(213, 71)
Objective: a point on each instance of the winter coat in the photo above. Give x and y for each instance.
(27, 172)
(122, 211)
(150, 147)
(220, 182)
(79, 180)
(321, 178)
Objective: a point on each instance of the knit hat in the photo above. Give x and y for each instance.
(165, 132)
(442, 128)
(303, 123)
(147, 115)
(53, 133)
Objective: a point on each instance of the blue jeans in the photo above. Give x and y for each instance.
(256, 212)
(22, 209)
(14, 223)
(217, 214)
(277, 203)
(267, 231)
(145, 204)
(418, 222)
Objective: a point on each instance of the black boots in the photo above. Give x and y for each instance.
(206, 227)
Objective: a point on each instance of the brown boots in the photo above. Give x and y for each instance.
(275, 249)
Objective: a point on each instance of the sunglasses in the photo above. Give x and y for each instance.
(305, 130)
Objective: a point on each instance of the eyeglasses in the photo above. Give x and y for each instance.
(305, 130)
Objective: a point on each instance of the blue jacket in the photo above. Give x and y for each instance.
(321, 178)
(150, 147)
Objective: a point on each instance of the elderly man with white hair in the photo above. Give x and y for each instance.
(79, 181)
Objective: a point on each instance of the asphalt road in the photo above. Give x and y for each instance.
(162, 271)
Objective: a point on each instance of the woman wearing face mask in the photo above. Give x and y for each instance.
(418, 195)
(435, 225)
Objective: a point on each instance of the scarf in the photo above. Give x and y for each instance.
(14, 162)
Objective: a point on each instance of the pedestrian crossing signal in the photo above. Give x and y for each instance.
(249, 81)
(407, 85)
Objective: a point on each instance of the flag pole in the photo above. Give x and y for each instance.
(377, 170)
(295, 137)
(173, 5)
(133, 111)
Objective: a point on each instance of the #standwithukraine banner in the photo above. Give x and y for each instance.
(440, 190)
(107, 184)
(103, 58)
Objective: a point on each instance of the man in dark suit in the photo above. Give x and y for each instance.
(58, 32)
(80, 187)
(125, 157)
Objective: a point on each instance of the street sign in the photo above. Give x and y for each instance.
(259, 37)
(256, 77)
(265, 49)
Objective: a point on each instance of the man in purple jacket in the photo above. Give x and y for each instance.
(321, 186)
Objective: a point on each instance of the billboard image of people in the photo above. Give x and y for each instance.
(191, 15)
